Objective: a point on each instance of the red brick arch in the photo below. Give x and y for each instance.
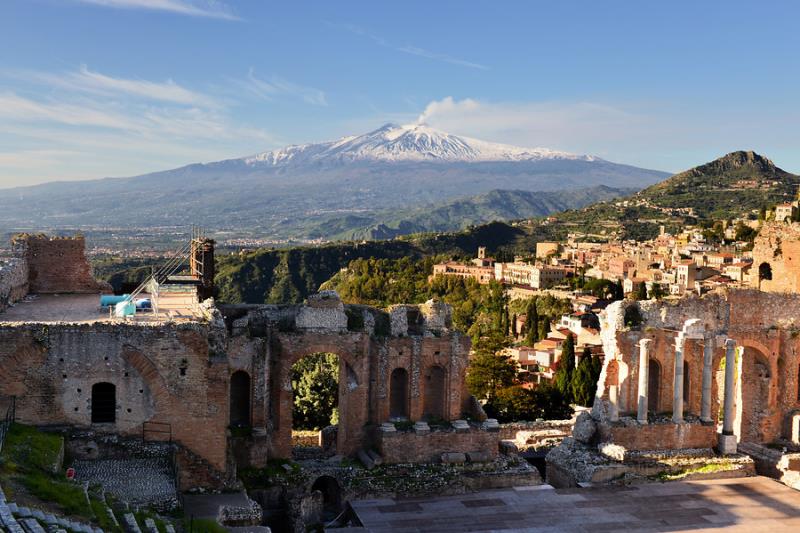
(352, 350)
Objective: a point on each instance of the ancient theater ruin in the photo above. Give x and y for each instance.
(166, 363)
(718, 372)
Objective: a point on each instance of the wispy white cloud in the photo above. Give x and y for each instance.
(277, 86)
(410, 49)
(194, 8)
(414, 50)
(94, 125)
(87, 81)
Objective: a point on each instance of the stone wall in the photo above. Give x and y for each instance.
(776, 250)
(413, 447)
(765, 325)
(666, 436)
(174, 380)
(13, 281)
(57, 264)
(161, 374)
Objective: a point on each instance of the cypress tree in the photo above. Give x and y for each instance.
(584, 380)
(532, 323)
(566, 367)
(641, 292)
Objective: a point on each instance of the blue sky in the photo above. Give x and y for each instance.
(95, 88)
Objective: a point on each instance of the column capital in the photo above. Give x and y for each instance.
(730, 343)
(644, 343)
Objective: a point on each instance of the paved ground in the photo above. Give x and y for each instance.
(75, 308)
(745, 504)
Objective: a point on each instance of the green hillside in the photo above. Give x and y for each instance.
(460, 214)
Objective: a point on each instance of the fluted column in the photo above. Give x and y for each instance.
(677, 385)
(708, 361)
(730, 385)
(644, 361)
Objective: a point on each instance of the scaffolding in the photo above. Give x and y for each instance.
(171, 292)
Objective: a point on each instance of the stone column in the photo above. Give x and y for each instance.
(644, 362)
(730, 386)
(613, 403)
(677, 385)
(726, 442)
(708, 361)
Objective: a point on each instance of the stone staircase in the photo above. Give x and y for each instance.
(21, 519)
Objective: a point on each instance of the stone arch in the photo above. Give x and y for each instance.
(104, 403)
(240, 399)
(756, 378)
(653, 386)
(435, 392)
(399, 404)
(331, 496)
(151, 376)
(14, 368)
(354, 406)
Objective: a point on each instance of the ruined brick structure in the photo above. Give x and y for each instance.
(776, 258)
(57, 264)
(189, 380)
(670, 364)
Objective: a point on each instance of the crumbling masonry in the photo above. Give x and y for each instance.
(189, 380)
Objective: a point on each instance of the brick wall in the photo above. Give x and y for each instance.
(662, 436)
(57, 264)
(410, 447)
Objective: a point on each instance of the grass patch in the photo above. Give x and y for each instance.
(30, 459)
(705, 469)
(203, 525)
(101, 515)
(277, 471)
(141, 516)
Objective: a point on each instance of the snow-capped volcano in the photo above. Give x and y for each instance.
(413, 142)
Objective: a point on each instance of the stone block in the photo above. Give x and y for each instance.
(491, 424)
(388, 427)
(460, 425)
(726, 444)
(507, 447)
(454, 458)
(479, 456)
(585, 428)
(421, 428)
(612, 451)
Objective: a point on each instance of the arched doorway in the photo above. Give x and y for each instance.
(331, 497)
(653, 386)
(315, 402)
(398, 394)
(764, 273)
(756, 378)
(104, 403)
(240, 399)
(434, 391)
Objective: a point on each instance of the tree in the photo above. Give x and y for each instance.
(315, 385)
(489, 371)
(566, 366)
(514, 325)
(619, 292)
(641, 291)
(584, 380)
(532, 322)
(513, 404)
(656, 291)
